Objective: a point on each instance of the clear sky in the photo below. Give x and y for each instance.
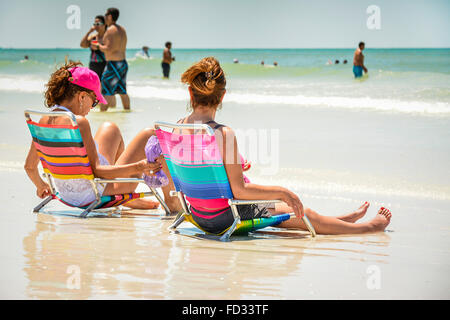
(232, 23)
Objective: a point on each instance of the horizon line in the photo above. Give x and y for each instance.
(193, 48)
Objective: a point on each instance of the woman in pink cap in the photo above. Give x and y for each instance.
(76, 89)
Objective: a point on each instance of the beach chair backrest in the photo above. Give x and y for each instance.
(60, 147)
(194, 161)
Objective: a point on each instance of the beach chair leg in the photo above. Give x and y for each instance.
(177, 222)
(89, 209)
(161, 201)
(237, 219)
(42, 204)
(226, 235)
(309, 225)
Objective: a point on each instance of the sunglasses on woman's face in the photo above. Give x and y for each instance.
(97, 24)
(94, 98)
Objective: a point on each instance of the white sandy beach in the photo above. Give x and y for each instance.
(334, 159)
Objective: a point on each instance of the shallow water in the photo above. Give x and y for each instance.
(335, 148)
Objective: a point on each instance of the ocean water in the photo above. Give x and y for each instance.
(306, 125)
(401, 80)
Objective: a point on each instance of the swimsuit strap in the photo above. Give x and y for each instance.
(60, 107)
(218, 125)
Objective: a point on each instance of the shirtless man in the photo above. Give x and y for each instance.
(167, 60)
(358, 61)
(115, 75)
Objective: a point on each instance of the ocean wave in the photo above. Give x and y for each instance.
(23, 84)
(171, 91)
(342, 102)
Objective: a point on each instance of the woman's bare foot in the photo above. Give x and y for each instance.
(144, 204)
(356, 215)
(381, 220)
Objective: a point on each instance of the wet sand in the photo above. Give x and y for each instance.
(135, 257)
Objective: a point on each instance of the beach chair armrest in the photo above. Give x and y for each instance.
(242, 202)
(119, 180)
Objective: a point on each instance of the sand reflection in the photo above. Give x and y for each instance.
(137, 258)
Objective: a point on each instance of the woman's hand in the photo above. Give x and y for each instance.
(293, 201)
(43, 190)
(94, 46)
(149, 168)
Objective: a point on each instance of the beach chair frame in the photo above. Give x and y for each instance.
(94, 182)
(233, 203)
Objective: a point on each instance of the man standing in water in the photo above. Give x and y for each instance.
(167, 60)
(358, 61)
(115, 75)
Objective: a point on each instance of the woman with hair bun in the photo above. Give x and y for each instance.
(207, 88)
(76, 89)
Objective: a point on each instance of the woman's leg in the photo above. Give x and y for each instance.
(111, 146)
(333, 225)
(109, 141)
(355, 215)
(135, 152)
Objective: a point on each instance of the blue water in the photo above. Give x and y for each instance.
(406, 60)
(399, 80)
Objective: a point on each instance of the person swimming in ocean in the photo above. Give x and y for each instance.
(97, 61)
(144, 52)
(207, 87)
(114, 77)
(358, 61)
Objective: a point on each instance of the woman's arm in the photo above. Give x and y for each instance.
(31, 168)
(87, 39)
(250, 191)
(134, 170)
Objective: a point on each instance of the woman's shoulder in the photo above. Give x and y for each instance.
(225, 132)
(54, 120)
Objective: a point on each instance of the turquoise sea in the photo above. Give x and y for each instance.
(400, 80)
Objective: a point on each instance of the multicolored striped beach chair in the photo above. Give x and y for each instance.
(196, 166)
(63, 156)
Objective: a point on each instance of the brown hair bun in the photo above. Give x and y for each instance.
(207, 81)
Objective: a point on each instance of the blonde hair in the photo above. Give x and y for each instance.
(207, 81)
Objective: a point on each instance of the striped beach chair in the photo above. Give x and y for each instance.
(196, 166)
(63, 156)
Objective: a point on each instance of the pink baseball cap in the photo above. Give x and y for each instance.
(86, 78)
